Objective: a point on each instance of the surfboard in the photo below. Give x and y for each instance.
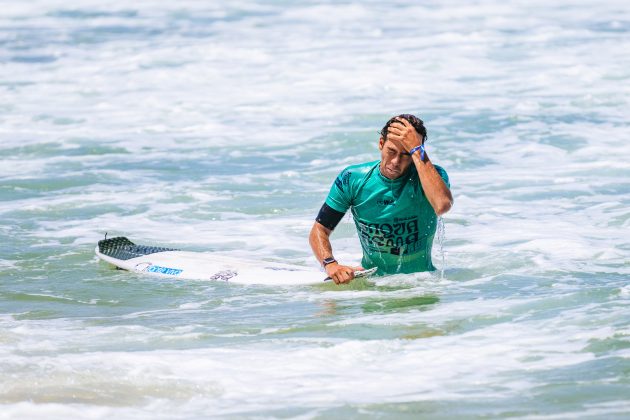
(174, 263)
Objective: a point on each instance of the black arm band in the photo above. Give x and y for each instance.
(329, 217)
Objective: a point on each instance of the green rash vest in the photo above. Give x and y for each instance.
(394, 220)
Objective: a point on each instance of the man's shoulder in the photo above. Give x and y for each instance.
(354, 176)
(442, 172)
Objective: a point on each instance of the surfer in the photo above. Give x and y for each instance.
(394, 201)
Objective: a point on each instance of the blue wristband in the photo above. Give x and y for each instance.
(415, 149)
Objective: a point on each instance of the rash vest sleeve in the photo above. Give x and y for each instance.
(340, 197)
(337, 203)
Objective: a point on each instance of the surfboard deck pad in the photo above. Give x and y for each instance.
(123, 249)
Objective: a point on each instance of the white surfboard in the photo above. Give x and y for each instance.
(173, 263)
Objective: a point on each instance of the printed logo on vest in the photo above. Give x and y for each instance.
(401, 238)
(386, 202)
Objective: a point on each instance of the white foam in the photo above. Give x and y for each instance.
(220, 127)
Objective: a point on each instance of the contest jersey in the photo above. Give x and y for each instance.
(394, 220)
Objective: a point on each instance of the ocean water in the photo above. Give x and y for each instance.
(219, 126)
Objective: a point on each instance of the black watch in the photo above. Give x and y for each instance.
(328, 260)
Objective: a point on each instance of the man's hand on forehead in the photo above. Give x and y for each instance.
(402, 132)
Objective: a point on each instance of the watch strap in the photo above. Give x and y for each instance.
(328, 260)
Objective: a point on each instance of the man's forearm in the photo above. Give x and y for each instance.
(320, 242)
(438, 194)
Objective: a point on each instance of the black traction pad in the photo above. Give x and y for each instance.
(123, 249)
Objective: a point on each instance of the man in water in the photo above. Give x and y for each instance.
(395, 203)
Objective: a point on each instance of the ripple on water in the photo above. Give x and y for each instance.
(221, 127)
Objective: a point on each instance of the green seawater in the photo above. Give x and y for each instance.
(220, 127)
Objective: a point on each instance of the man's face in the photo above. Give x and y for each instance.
(394, 160)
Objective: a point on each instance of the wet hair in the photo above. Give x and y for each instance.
(417, 123)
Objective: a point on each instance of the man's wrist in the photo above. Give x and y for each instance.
(328, 260)
(419, 148)
(420, 159)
